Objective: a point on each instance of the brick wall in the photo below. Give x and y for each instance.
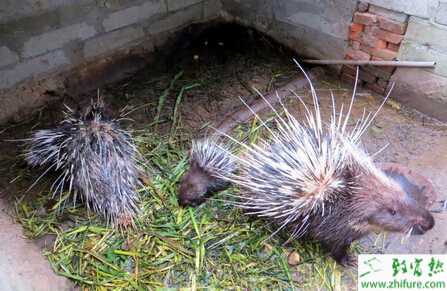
(374, 34)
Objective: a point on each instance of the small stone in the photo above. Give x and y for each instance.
(267, 248)
(293, 258)
(362, 6)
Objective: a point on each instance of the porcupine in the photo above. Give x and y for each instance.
(210, 158)
(317, 181)
(94, 158)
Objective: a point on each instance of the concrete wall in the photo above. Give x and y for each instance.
(41, 40)
(316, 29)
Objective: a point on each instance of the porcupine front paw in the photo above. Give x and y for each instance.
(342, 256)
(347, 260)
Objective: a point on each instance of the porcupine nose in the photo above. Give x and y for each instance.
(424, 225)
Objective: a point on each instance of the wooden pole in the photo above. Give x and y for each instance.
(412, 64)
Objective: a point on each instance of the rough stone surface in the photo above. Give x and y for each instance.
(418, 52)
(111, 41)
(7, 57)
(133, 14)
(212, 8)
(422, 90)
(420, 8)
(32, 67)
(362, 6)
(174, 5)
(21, 263)
(175, 20)
(295, 35)
(441, 13)
(57, 38)
(328, 17)
(423, 32)
(13, 9)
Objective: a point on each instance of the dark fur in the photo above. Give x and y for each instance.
(197, 185)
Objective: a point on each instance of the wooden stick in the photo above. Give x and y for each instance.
(374, 63)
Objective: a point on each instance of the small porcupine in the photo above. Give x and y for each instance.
(315, 180)
(94, 159)
(208, 160)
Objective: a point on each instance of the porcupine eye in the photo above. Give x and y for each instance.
(392, 212)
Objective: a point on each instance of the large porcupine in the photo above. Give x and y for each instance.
(316, 180)
(95, 159)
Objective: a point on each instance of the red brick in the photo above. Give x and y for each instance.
(345, 78)
(365, 18)
(362, 6)
(372, 29)
(356, 27)
(355, 35)
(382, 83)
(380, 72)
(349, 70)
(391, 25)
(367, 77)
(393, 47)
(375, 88)
(366, 49)
(374, 58)
(355, 44)
(389, 36)
(357, 54)
(372, 41)
(385, 54)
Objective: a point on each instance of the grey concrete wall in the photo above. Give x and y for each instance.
(316, 29)
(41, 38)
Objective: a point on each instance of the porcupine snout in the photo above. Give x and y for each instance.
(208, 161)
(424, 222)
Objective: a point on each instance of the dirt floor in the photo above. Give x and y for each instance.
(197, 87)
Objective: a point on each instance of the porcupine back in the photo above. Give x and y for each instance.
(94, 158)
